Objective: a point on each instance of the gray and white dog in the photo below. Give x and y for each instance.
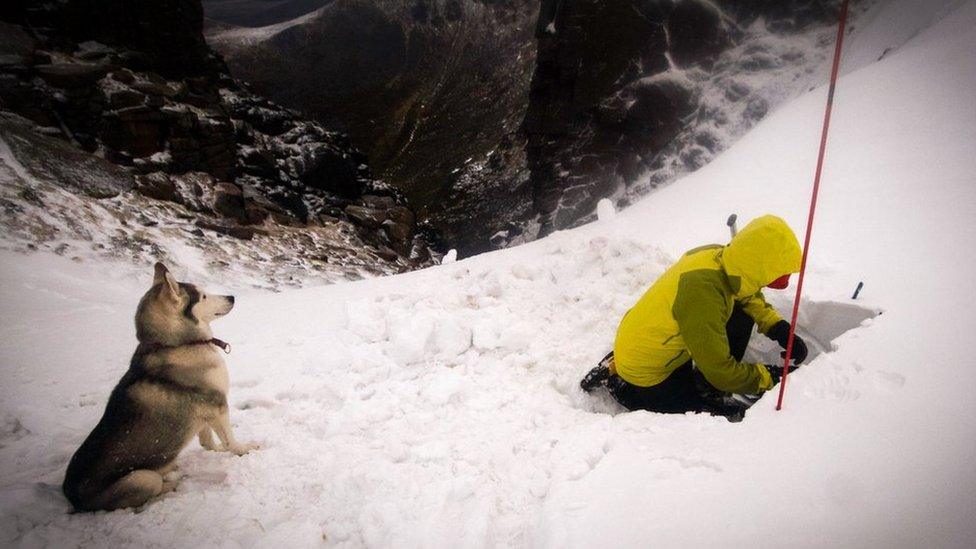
(175, 389)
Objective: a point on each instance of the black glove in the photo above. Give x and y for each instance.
(780, 333)
(776, 371)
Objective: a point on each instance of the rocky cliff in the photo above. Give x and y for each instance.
(509, 119)
(631, 93)
(129, 94)
(429, 89)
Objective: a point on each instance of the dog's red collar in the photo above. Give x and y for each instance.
(153, 347)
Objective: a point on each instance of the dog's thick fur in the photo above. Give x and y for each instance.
(175, 389)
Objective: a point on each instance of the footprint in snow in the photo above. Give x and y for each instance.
(888, 382)
(11, 428)
(837, 388)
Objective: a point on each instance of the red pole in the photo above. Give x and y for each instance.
(813, 200)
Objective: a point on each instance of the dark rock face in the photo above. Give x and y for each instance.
(150, 102)
(615, 84)
(592, 80)
(490, 203)
(429, 89)
(696, 33)
(157, 185)
(331, 170)
(438, 93)
(784, 15)
(168, 33)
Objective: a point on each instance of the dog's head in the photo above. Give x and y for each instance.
(173, 313)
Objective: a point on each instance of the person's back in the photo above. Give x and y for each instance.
(649, 345)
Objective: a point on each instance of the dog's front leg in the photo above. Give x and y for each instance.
(206, 438)
(222, 427)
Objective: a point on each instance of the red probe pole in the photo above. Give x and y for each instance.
(813, 200)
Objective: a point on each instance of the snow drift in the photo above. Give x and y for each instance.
(441, 407)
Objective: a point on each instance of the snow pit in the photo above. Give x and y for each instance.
(819, 324)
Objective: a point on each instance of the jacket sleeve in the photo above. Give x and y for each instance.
(763, 313)
(701, 311)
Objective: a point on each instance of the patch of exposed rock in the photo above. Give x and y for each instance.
(432, 90)
(126, 120)
(626, 95)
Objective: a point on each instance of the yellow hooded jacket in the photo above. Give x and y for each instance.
(683, 315)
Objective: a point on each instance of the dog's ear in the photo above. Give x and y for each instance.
(159, 273)
(163, 276)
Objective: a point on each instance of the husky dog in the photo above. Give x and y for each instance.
(175, 389)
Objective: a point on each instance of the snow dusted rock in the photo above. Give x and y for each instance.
(379, 202)
(429, 89)
(236, 231)
(367, 217)
(157, 185)
(330, 170)
(598, 122)
(656, 106)
(71, 76)
(400, 235)
(494, 161)
(229, 201)
(60, 199)
(191, 134)
(195, 190)
(698, 31)
(48, 159)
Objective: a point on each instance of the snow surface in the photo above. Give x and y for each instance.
(441, 407)
(248, 35)
(605, 210)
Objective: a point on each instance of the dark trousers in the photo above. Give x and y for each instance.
(686, 390)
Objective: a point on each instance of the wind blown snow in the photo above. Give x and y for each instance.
(441, 407)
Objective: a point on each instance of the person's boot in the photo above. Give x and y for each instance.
(598, 376)
(746, 400)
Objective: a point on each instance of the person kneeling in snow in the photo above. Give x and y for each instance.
(685, 338)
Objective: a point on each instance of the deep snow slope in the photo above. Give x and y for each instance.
(440, 407)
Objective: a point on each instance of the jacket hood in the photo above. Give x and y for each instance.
(761, 252)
